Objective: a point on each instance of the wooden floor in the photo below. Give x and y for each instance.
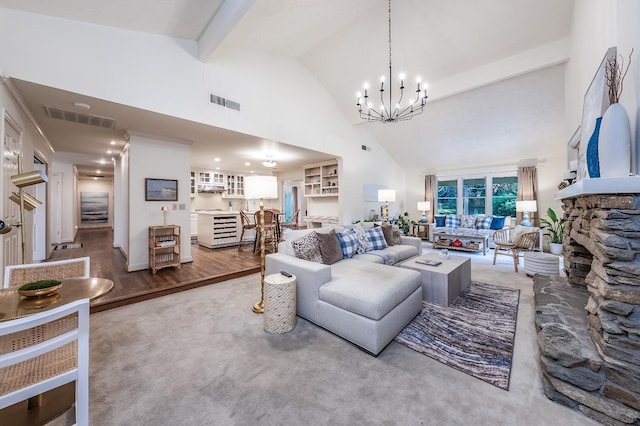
(209, 266)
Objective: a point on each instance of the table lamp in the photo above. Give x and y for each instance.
(386, 195)
(261, 187)
(424, 206)
(526, 207)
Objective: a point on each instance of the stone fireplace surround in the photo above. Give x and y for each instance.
(589, 322)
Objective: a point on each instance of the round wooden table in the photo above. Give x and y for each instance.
(46, 407)
(13, 306)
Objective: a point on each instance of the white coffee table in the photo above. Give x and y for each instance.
(443, 283)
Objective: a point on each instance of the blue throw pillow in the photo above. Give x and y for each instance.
(440, 221)
(497, 222)
(452, 221)
(376, 238)
(348, 244)
(485, 222)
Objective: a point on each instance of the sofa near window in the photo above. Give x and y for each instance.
(484, 225)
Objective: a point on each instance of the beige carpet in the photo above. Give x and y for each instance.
(200, 357)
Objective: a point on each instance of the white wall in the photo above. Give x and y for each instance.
(161, 159)
(91, 185)
(509, 121)
(162, 74)
(598, 25)
(64, 167)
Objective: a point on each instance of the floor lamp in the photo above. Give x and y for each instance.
(386, 195)
(526, 207)
(25, 200)
(262, 188)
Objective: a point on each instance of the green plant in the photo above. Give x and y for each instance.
(554, 226)
(39, 285)
(404, 223)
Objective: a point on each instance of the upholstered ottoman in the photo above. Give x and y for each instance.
(541, 263)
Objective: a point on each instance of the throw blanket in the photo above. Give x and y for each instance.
(387, 258)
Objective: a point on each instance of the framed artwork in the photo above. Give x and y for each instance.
(94, 207)
(160, 189)
(596, 102)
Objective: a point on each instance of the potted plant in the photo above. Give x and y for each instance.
(554, 228)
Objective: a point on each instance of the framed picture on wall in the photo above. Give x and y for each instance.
(94, 207)
(160, 189)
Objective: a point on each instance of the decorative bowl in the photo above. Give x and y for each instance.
(41, 292)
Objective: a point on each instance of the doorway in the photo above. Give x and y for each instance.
(39, 234)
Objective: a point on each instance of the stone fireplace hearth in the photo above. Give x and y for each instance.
(589, 323)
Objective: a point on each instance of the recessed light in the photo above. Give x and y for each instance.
(108, 151)
(217, 168)
(98, 171)
(217, 160)
(251, 171)
(247, 164)
(102, 161)
(113, 142)
(82, 105)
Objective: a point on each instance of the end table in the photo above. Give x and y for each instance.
(279, 303)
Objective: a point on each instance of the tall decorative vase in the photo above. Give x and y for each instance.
(614, 146)
(593, 159)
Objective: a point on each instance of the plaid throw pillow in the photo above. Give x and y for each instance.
(485, 222)
(452, 221)
(348, 243)
(363, 245)
(376, 238)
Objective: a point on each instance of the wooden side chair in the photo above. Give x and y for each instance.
(44, 351)
(247, 225)
(17, 275)
(270, 231)
(522, 242)
(293, 223)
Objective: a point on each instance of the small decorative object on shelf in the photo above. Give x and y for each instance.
(457, 243)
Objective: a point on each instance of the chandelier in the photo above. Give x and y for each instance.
(391, 113)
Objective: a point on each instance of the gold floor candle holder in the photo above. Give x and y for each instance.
(258, 308)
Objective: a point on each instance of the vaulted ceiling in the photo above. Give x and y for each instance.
(454, 45)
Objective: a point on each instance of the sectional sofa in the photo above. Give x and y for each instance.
(364, 298)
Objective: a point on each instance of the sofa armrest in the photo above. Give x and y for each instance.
(310, 276)
(412, 241)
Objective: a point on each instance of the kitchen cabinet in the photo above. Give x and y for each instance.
(164, 247)
(193, 186)
(215, 178)
(235, 186)
(322, 180)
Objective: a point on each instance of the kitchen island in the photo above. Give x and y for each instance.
(221, 228)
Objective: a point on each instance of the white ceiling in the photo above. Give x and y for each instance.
(343, 43)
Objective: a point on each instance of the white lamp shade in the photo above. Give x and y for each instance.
(424, 206)
(386, 195)
(256, 187)
(526, 206)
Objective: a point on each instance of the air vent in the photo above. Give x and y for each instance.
(96, 176)
(79, 117)
(219, 100)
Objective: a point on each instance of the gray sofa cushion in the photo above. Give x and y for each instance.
(368, 289)
(398, 253)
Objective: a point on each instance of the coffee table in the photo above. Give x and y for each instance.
(443, 283)
(479, 240)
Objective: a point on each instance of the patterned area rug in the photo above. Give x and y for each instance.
(474, 335)
(68, 246)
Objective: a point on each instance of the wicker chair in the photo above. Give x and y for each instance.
(522, 242)
(44, 351)
(17, 275)
(270, 231)
(293, 224)
(247, 225)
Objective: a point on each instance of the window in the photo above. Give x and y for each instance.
(447, 197)
(504, 194)
(474, 196)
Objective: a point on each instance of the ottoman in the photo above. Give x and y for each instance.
(541, 263)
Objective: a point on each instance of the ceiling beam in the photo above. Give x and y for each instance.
(222, 23)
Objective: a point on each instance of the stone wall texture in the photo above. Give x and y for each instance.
(600, 377)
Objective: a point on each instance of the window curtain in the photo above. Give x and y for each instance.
(528, 190)
(430, 195)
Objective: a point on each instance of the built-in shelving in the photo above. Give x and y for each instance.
(322, 180)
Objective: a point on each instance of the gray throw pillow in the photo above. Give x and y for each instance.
(330, 248)
(308, 247)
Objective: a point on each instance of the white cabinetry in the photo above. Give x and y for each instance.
(322, 180)
(218, 229)
(235, 186)
(193, 186)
